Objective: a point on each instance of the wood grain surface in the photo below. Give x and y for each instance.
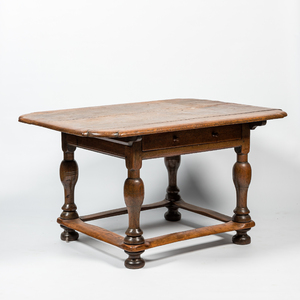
(117, 240)
(135, 119)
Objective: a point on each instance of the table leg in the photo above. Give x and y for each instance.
(134, 197)
(241, 178)
(172, 164)
(68, 177)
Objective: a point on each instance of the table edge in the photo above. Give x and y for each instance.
(213, 122)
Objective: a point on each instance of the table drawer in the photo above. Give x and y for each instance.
(191, 137)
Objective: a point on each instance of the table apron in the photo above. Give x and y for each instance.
(105, 146)
(169, 143)
(191, 149)
(191, 137)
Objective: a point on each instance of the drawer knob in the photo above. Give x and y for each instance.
(175, 139)
(215, 134)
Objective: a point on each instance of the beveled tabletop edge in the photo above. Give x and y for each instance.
(188, 124)
(213, 123)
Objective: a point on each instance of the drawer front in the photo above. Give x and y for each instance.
(191, 137)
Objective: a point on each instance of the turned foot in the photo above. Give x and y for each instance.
(241, 237)
(172, 214)
(68, 234)
(134, 260)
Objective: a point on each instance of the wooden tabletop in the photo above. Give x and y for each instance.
(135, 119)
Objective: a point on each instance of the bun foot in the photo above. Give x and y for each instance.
(241, 237)
(172, 215)
(134, 261)
(68, 234)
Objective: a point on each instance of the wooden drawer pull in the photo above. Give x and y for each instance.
(215, 134)
(175, 139)
(191, 137)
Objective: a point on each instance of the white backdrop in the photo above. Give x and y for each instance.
(65, 54)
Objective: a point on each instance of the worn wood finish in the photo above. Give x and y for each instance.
(68, 176)
(172, 164)
(102, 145)
(134, 260)
(203, 211)
(190, 149)
(191, 234)
(119, 148)
(148, 130)
(68, 234)
(93, 231)
(136, 119)
(241, 178)
(134, 197)
(194, 233)
(118, 241)
(121, 211)
(192, 137)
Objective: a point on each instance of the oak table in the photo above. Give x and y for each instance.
(147, 130)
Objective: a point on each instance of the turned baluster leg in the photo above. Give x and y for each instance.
(134, 196)
(68, 177)
(241, 178)
(172, 164)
